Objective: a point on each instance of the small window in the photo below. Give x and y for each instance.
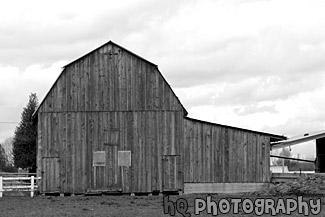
(124, 158)
(99, 158)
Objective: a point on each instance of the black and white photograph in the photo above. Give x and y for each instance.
(162, 108)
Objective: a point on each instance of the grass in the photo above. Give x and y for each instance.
(119, 206)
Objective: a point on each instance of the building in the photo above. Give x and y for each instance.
(111, 122)
(319, 136)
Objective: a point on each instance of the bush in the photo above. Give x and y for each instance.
(10, 169)
(306, 184)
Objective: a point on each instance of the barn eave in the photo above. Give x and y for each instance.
(34, 116)
(274, 137)
(298, 139)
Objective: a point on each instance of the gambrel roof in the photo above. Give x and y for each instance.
(112, 43)
(275, 137)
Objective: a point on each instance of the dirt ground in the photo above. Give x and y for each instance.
(119, 206)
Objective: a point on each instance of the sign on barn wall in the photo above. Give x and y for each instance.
(111, 137)
(99, 158)
(124, 158)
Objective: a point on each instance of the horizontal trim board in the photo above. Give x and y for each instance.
(238, 128)
(94, 111)
(224, 188)
(285, 175)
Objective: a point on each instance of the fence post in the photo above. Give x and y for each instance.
(32, 187)
(1, 186)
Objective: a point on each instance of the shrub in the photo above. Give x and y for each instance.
(306, 184)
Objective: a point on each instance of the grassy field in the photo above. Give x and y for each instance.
(119, 206)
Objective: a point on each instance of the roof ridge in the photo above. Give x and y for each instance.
(115, 44)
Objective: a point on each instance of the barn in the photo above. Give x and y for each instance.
(111, 122)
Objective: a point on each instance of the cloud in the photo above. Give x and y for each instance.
(252, 109)
(252, 64)
(231, 44)
(48, 33)
(251, 90)
(15, 87)
(296, 114)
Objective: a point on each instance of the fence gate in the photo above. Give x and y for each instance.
(50, 175)
(170, 172)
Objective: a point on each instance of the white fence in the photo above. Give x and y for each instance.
(18, 184)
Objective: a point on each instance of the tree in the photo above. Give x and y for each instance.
(3, 159)
(284, 153)
(7, 146)
(24, 143)
(5, 166)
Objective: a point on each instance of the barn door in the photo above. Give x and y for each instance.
(50, 174)
(106, 172)
(170, 173)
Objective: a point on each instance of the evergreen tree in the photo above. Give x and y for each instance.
(24, 144)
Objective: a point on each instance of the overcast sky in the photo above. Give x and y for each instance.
(252, 64)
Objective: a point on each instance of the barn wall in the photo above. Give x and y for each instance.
(105, 92)
(111, 100)
(72, 137)
(219, 154)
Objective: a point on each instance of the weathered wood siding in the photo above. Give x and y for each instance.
(110, 100)
(71, 137)
(110, 79)
(219, 154)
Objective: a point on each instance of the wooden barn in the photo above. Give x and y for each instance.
(111, 122)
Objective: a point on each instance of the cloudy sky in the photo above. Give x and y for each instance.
(252, 64)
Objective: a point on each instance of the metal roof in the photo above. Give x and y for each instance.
(298, 139)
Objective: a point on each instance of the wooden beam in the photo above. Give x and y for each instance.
(290, 158)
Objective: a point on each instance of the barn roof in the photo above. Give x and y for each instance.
(109, 42)
(272, 136)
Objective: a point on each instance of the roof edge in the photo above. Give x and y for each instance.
(238, 128)
(48, 92)
(298, 139)
(110, 42)
(184, 109)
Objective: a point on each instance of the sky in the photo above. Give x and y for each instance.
(252, 64)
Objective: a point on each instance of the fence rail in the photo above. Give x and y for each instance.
(18, 183)
(4, 174)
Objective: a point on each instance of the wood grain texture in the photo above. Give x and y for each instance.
(111, 100)
(222, 155)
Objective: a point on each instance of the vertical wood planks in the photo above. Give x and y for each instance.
(224, 154)
(108, 83)
(245, 158)
(112, 89)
